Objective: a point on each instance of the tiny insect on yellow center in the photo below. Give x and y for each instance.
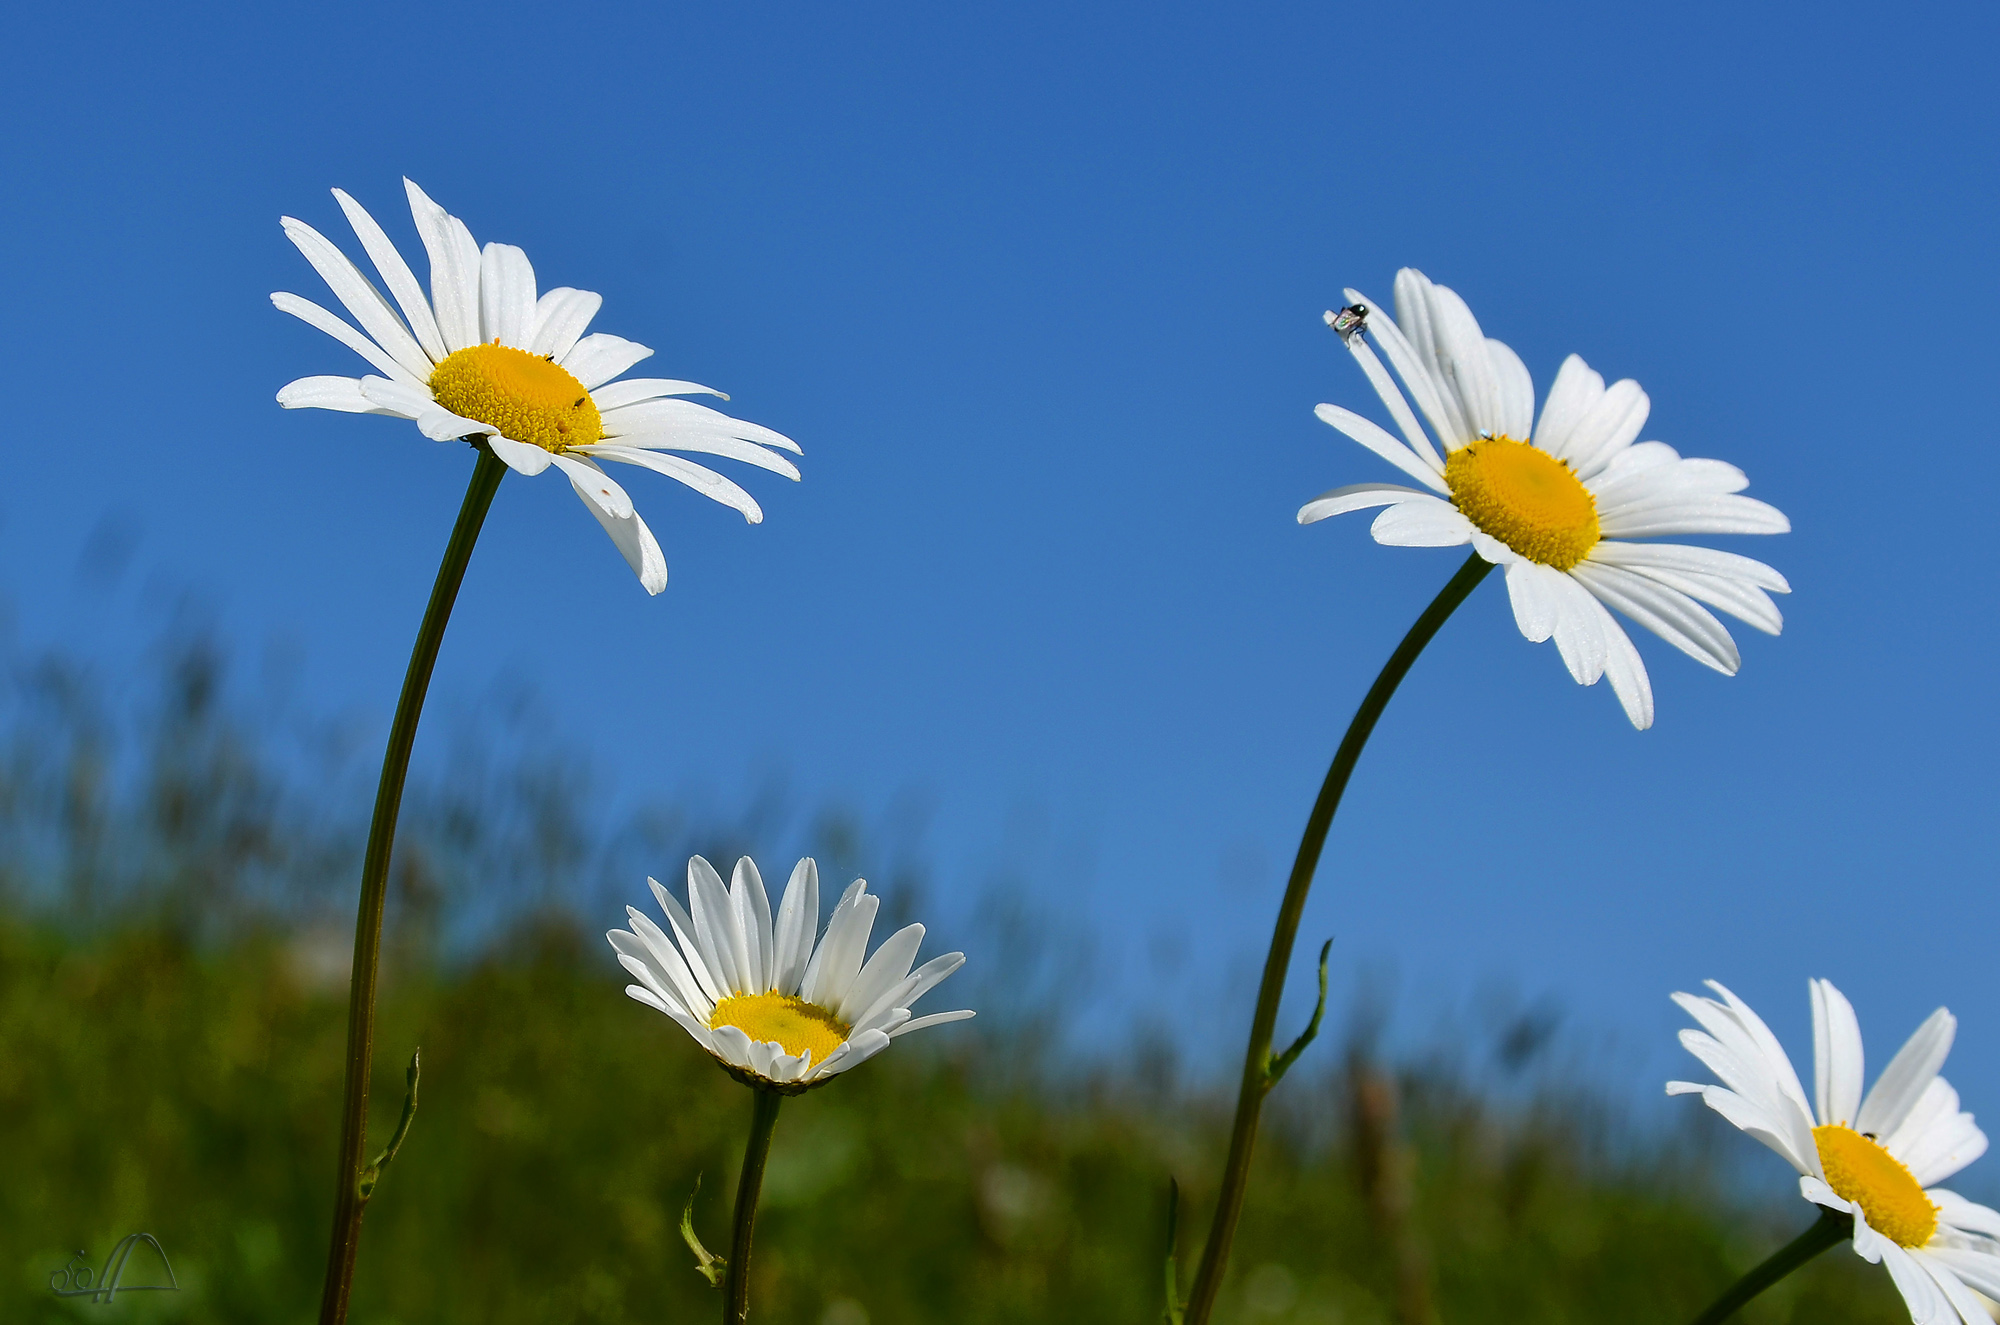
(1526, 498)
(527, 397)
(792, 1022)
(1887, 1192)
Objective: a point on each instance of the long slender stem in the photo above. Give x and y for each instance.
(349, 1201)
(736, 1286)
(1832, 1229)
(1257, 1081)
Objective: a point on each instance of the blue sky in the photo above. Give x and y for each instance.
(1038, 289)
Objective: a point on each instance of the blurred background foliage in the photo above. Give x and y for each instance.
(175, 879)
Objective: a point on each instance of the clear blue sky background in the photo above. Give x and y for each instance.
(1038, 289)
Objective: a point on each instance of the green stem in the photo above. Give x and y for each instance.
(1257, 1063)
(349, 1199)
(1832, 1229)
(736, 1286)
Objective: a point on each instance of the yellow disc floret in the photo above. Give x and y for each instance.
(527, 397)
(1526, 498)
(792, 1022)
(1887, 1192)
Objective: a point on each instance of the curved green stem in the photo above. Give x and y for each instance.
(1257, 1062)
(1832, 1229)
(350, 1200)
(736, 1285)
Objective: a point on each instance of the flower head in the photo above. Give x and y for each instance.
(1557, 501)
(1874, 1156)
(775, 1008)
(485, 357)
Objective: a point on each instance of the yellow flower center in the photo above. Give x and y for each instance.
(1888, 1193)
(527, 397)
(1526, 498)
(792, 1022)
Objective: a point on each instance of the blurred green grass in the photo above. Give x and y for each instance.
(150, 1085)
(175, 897)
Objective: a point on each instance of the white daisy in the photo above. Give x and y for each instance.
(774, 1008)
(1557, 507)
(1875, 1157)
(483, 356)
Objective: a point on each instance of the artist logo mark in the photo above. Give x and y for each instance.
(75, 1280)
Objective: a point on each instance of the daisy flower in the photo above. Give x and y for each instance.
(1874, 1157)
(775, 1008)
(1556, 502)
(485, 357)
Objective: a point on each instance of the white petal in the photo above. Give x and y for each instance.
(797, 926)
(1935, 1139)
(838, 958)
(1621, 487)
(1724, 513)
(1960, 1213)
(1980, 1269)
(1671, 615)
(1909, 1073)
(396, 274)
(1627, 672)
(1745, 602)
(1576, 391)
(1611, 425)
(340, 393)
(1515, 391)
(1738, 1047)
(763, 1057)
(506, 296)
(305, 310)
(1774, 1055)
(699, 477)
(1927, 1303)
(1686, 559)
(1354, 497)
(1415, 372)
(706, 443)
(1448, 339)
(1399, 408)
(636, 543)
(790, 1067)
(360, 297)
(632, 390)
(705, 976)
(598, 358)
(858, 1050)
(524, 458)
(1421, 522)
(934, 1019)
(708, 906)
(1837, 1072)
(415, 402)
(1965, 1305)
(753, 917)
(662, 416)
(696, 995)
(881, 973)
(1749, 1119)
(1375, 438)
(560, 318)
(732, 1046)
(911, 988)
(599, 491)
(454, 269)
(1536, 598)
(1580, 634)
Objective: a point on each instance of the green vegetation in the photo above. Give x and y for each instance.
(170, 1028)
